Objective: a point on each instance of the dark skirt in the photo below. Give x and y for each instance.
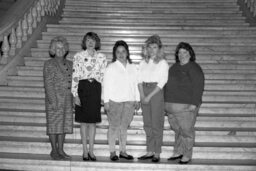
(90, 97)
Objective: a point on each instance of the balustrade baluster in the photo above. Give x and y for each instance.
(19, 35)
(5, 49)
(30, 21)
(24, 28)
(38, 8)
(42, 2)
(13, 41)
(34, 14)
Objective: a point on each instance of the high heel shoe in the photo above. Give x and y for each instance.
(86, 158)
(91, 158)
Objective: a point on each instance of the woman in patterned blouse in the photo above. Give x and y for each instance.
(88, 69)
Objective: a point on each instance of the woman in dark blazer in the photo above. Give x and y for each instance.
(58, 98)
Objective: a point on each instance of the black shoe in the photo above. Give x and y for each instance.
(145, 157)
(113, 156)
(155, 159)
(91, 158)
(86, 158)
(175, 158)
(184, 162)
(127, 157)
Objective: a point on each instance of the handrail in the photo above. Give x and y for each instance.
(17, 27)
(251, 5)
(14, 14)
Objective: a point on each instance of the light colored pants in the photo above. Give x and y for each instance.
(182, 122)
(153, 118)
(119, 117)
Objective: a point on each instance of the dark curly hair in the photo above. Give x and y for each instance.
(188, 47)
(125, 45)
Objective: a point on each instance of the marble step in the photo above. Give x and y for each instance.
(208, 48)
(155, 29)
(144, 35)
(36, 81)
(204, 124)
(136, 58)
(32, 161)
(169, 23)
(140, 138)
(216, 109)
(219, 31)
(38, 71)
(146, 6)
(208, 86)
(208, 96)
(247, 137)
(208, 110)
(21, 126)
(42, 146)
(250, 76)
(151, 1)
(166, 41)
(250, 66)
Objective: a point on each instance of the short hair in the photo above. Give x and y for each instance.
(154, 39)
(125, 45)
(54, 41)
(94, 37)
(188, 47)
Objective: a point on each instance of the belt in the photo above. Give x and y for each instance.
(149, 84)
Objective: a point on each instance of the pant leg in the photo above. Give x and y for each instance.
(186, 121)
(126, 119)
(147, 122)
(177, 148)
(114, 119)
(157, 112)
(173, 110)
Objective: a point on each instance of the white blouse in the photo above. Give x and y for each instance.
(154, 72)
(86, 66)
(121, 83)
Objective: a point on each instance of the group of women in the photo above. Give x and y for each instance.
(123, 88)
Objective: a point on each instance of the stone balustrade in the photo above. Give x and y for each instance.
(251, 5)
(14, 36)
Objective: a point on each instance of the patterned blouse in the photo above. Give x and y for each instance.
(86, 66)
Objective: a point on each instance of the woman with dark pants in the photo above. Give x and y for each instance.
(121, 98)
(153, 71)
(58, 98)
(88, 68)
(183, 97)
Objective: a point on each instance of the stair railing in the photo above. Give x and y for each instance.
(251, 5)
(19, 24)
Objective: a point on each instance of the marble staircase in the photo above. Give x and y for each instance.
(225, 48)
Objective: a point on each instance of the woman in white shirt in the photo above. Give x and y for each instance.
(153, 71)
(121, 98)
(88, 68)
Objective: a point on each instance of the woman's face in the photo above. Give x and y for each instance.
(121, 54)
(59, 50)
(184, 56)
(90, 43)
(152, 50)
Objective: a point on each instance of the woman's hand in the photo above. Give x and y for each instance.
(137, 105)
(192, 107)
(106, 107)
(146, 100)
(77, 101)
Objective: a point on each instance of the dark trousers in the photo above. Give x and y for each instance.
(153, 118)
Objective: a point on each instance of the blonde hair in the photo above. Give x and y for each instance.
(54, 41)
(154, 39)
